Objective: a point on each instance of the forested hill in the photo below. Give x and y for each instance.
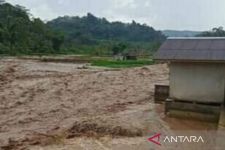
(93, 28)
(21, 35)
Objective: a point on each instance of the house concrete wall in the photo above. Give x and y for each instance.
(200, 82)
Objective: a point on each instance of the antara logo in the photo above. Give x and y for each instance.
(170, 139)
(155, 139)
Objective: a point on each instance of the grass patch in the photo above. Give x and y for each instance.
(121, 64)
(100, 61)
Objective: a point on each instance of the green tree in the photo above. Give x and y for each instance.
(21, 35)
(215, 32)
(118, 48)
(57, 40)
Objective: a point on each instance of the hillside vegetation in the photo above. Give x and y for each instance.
(215, 32)
(22, 34)
(92, 29)
(100, 36)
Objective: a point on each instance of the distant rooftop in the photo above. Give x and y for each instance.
(192, 49)
(195, 38)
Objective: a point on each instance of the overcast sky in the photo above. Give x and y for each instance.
(161, 14)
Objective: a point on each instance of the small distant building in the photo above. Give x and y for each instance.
(197, 69)
(130, 56)
(125, 56)
(118, 57)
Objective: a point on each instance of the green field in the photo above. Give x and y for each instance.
(105, 61)
(122, 64)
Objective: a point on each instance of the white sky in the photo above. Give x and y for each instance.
(161, 14)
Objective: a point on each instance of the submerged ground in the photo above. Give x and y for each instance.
(56, 106)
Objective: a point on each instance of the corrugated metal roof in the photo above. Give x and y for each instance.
(192, 49)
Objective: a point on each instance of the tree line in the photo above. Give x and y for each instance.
(215, 32)
(99, 36)
(20, 33)
(89, 29)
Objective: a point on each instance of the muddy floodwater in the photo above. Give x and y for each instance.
(65, 106)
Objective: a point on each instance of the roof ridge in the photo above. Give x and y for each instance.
(211, 49)
(196, 38)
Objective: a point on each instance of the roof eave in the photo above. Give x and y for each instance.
(189, 61)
